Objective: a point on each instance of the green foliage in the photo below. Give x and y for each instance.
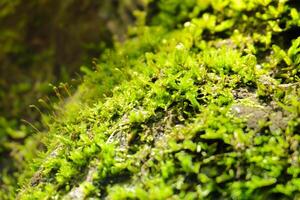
(45, 42)
(203, 104)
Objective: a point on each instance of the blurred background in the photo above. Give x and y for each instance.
(43, 44)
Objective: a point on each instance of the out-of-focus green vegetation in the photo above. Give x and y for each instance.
(200, 101)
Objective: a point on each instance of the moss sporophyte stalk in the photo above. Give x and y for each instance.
(201, 101)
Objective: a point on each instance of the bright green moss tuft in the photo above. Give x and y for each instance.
(207, 110)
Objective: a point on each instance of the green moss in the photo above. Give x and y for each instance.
(172, 121)
(45, 42)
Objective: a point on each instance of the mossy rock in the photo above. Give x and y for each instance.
(166, 114)
(43, 42)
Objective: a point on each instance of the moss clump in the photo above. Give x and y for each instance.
(42, 42)
(204, 105)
